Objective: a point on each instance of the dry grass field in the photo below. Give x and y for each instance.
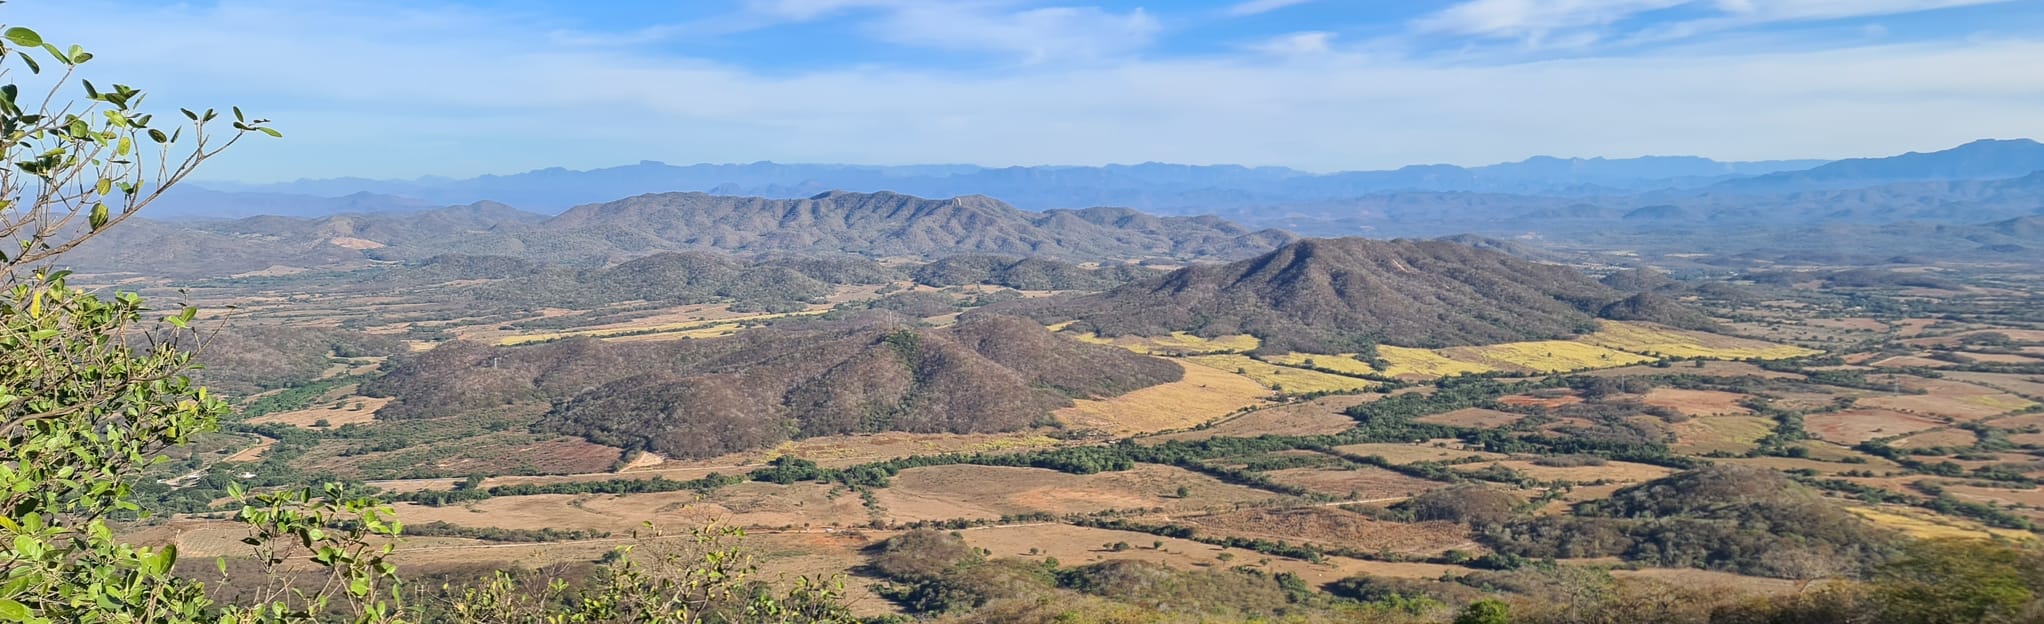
(1730, 434)
(1697, 402)
(989, 492)
(1320, 416)
(1922, 524)
(1850, 427)
(655, 325)
(1177, 343)
(1476, 417)
(1650, 339)
(1284, 379)
(1614, 472)
(1342, 363)
(1409, 453)
(1408, 363)
(353, 410)
(1950, 399)
(1546, 356)
(1204, 395)
(1946, 437)
(1072, 545)
(1332, 526)
(1707, 368)
(1362, 482)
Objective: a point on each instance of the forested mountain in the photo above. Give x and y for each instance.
(696, 398)
(1336, 295)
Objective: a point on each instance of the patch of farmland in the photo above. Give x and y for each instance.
(1409, 363)
(1935, 438)
(350, 411)
(1072, 545)
(1473, 417)
(1999, 358)
(1176, 343)
(1651, 339)
(1728, 434)
(1697, 402)
(1402, 454)
(648, 328)
(1361, 482)
(1701, 368)
(744, 505)
(1545, 356)
(989, 492)
(2031, 386)
(1320, 416)
(845, 450)
(1284, 379)
(1910, 361)
(1612, 472)
(1920, 524)
(1853, 426)
(1329, 526)
(1950, 399)
(1548, 399)
(1341, 362)
(1204, 395)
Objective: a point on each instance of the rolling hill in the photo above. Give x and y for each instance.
(1337, 295)
(697, 398)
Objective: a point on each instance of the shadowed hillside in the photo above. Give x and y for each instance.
(697, 398)
(1335, 295)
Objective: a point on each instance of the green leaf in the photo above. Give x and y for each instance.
(272, 132)
(23, 37)
(99, 217)
(10, 610)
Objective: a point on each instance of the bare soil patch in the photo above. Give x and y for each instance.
(1362, 482)
(1321, 416)
(1697, 402)
(1731, 434)
(1937, 438)
(1851, 427)
(1410, 453)
(1476, 417)
(1329, 526)
(989, 492)
(353, 410)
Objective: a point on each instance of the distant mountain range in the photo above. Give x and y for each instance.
(1148, 186)
(1974, 183)
(867, 224)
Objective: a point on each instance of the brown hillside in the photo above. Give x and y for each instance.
(697, 398)
(1336, 295)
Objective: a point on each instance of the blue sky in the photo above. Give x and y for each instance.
(391, 88)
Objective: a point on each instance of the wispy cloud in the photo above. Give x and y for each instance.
(1259, 7)
(403, 91)
(1580, 22)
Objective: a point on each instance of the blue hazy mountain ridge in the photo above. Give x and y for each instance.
(1149, 186)
(1986, 159)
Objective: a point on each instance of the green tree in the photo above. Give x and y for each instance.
(1485, 611)
(93, 389)
(1959, 580)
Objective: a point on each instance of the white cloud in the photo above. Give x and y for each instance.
(1259, 7)
(1582, 21)
(406, 93)
(1298, 44)
(1020, 28)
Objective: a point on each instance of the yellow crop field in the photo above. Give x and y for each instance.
(717, 327)
(2003, 402)
(1177, 342)
(1409, 362)
(1340, 362)
(1921, 526)
(1283, 378)
(1653, 339)
(1545, 356)
(1204, 395)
